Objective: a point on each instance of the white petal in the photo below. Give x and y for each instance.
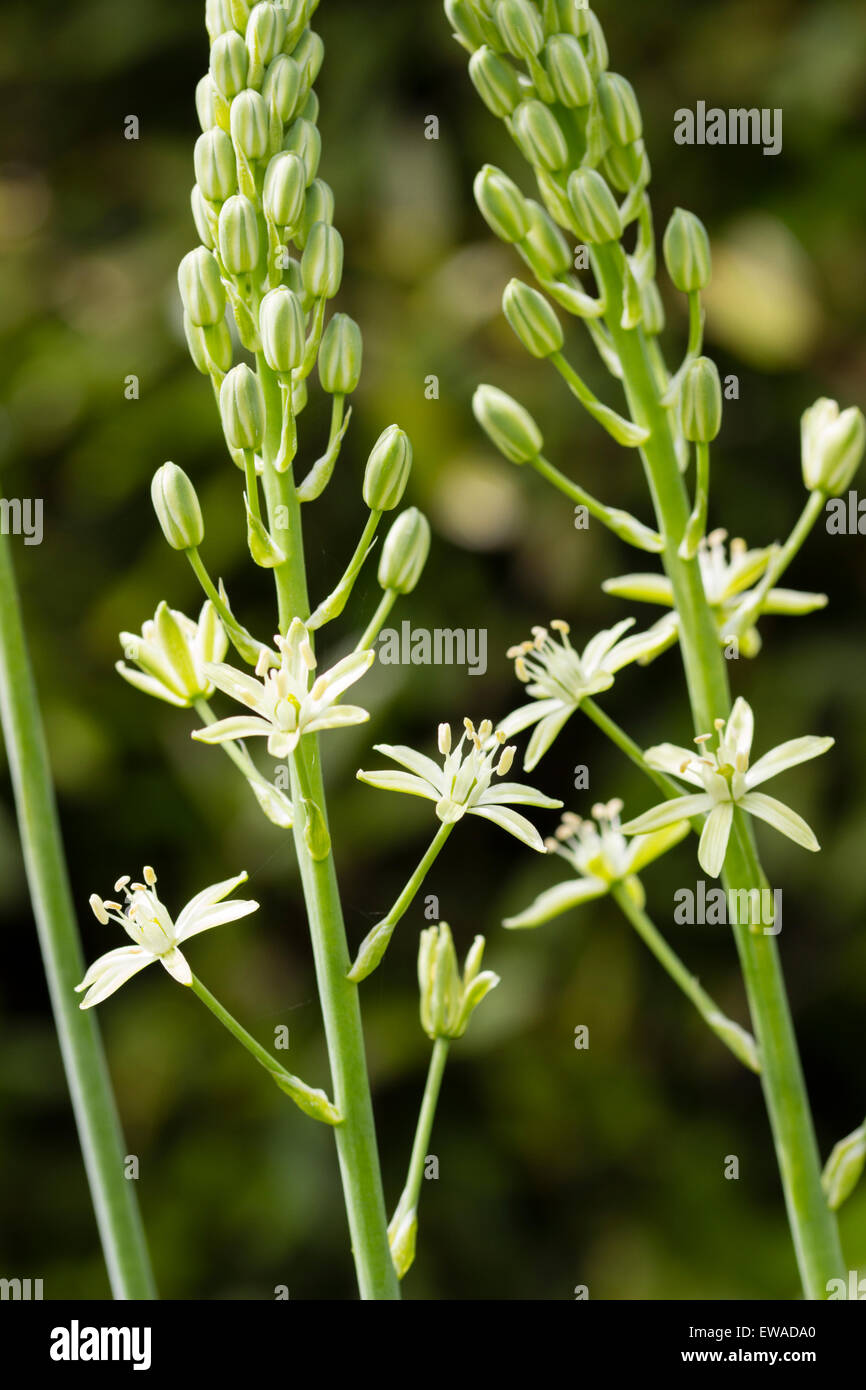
(554, 901)
(390, 781)
(644, 588)
(598, 646)
(177, 966)
(796, 750)
(241, 687)
(739, 729)
(521, 719)
(514, 823)
(410, 758)
(149, 684)
(646, 848)
(781, 817)
(346, 673)
(667, 812)
(238, 726)
(516, 794)
(544, 733)
(337, 717)
(215, 916)
(669, 757)
(214, 893)
(111, 971)
(714, 838)
(793, 602)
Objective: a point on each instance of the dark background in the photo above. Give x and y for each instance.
(558, 1167)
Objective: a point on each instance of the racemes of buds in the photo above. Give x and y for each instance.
(507, 424)
(388, 469)
(448, 999)
(405, 552)
(832, 444)
(701, 401)
(340, 356)
(532, 318)
(687, 252)
(176, 504)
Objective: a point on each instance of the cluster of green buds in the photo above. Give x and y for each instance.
(448, 999)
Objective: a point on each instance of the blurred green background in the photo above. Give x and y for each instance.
(558, 1167)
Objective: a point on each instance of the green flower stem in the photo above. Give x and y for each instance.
(235, 751)
(666, 785)
(247, 646)
(376, 942)
(780, 561)
(813, 1225)
(426, 1115)
(333, 605)
(697, 523)
(355, 1136)
(378, 620)
(93, 1103)
(670, 961)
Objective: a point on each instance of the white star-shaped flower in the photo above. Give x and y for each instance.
(155, 935)
(727, 781)
(288, 702)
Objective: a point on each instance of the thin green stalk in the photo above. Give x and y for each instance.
(424, 1128)
(780, 561)
(378, 620)
(93, 1103)
(666, 785)
(376, 942)
(813, 1225)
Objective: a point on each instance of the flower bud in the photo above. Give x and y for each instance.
(322, 261)
(596, 214)
(568, 71)
(205, 94)
(201, 217)
(242, 409)
(265, 33)
(296, 20)
(310, 109)
(568, 17)
(405, 552)
(217, 20)
(239, 235)
(832, 445)
(282, 331)
(388, 469)
(215, 165)
(340, 355)
(318, 207)
(652, 309)
(439, 982)
(229, 63)
(210, 347)
(596, 45)
(544, 246)
(701, 401)
(620, 108)
(844, 1168)
(177, 509)
(170, 653)
(282, 87)
(510, 427)
(687, 252)
(539, 136)
(626, 165)
(495, 81)
(283, 195)
(201, 288)
(303, 138)
(519, 26)
(250, 125)
(532, 319)
(309, 53)
(239, 13)
(464, 18)
(502, 204)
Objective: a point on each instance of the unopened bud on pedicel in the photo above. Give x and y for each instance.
(201, 288)
(282, 87)
(532, 319)
(303, 139)
(239, 235)
(568, 71)
(387, 471)
(322, 261)
(340, 355)
(544, 246)
(242, 409)
(282, 332)
(620, 108)
(318, 207)
(701, 401)
(510, 427)
(250, 124)
(229, 63)
(177, 509)
(265, 33)
(832, 443)
(200, 217)
(215, 165)
(297, 13)
(495, 81)
(216, 19)
(283, 195)
(405, 552)
(687, 252)
(519, 27)
(567, 17)
(239, 10)
(594, 208)
(539, 136)
(501, 203)
(626, 165)
(210, 347)
(466, 21)
(596, 45)
(205, 102)
(309, 54)
(652, 309)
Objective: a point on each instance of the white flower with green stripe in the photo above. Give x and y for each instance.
(464, 783)
(602, 858)
(727, 781)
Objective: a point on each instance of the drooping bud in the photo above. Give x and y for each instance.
(283, 194)
(239, 235)
(177, 507)
(340, 355)
(201, 288)
(242, 408)
(322, 261)
(215, 165)
(250, 124)
(501, 203)
(303, 139)
(229, 63)
(532, 318)
(620, 108)
(701, 401)
(405, 552)
(210, 348)
(539, 136)
(282, 332)
(507, 424)
(687, 252)
(388, 469)
(544, 245)
(318, 207)
(596, 213)
(282, 87)
(832, 445)
(495, 81)
(568, 71)
(519, 27)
